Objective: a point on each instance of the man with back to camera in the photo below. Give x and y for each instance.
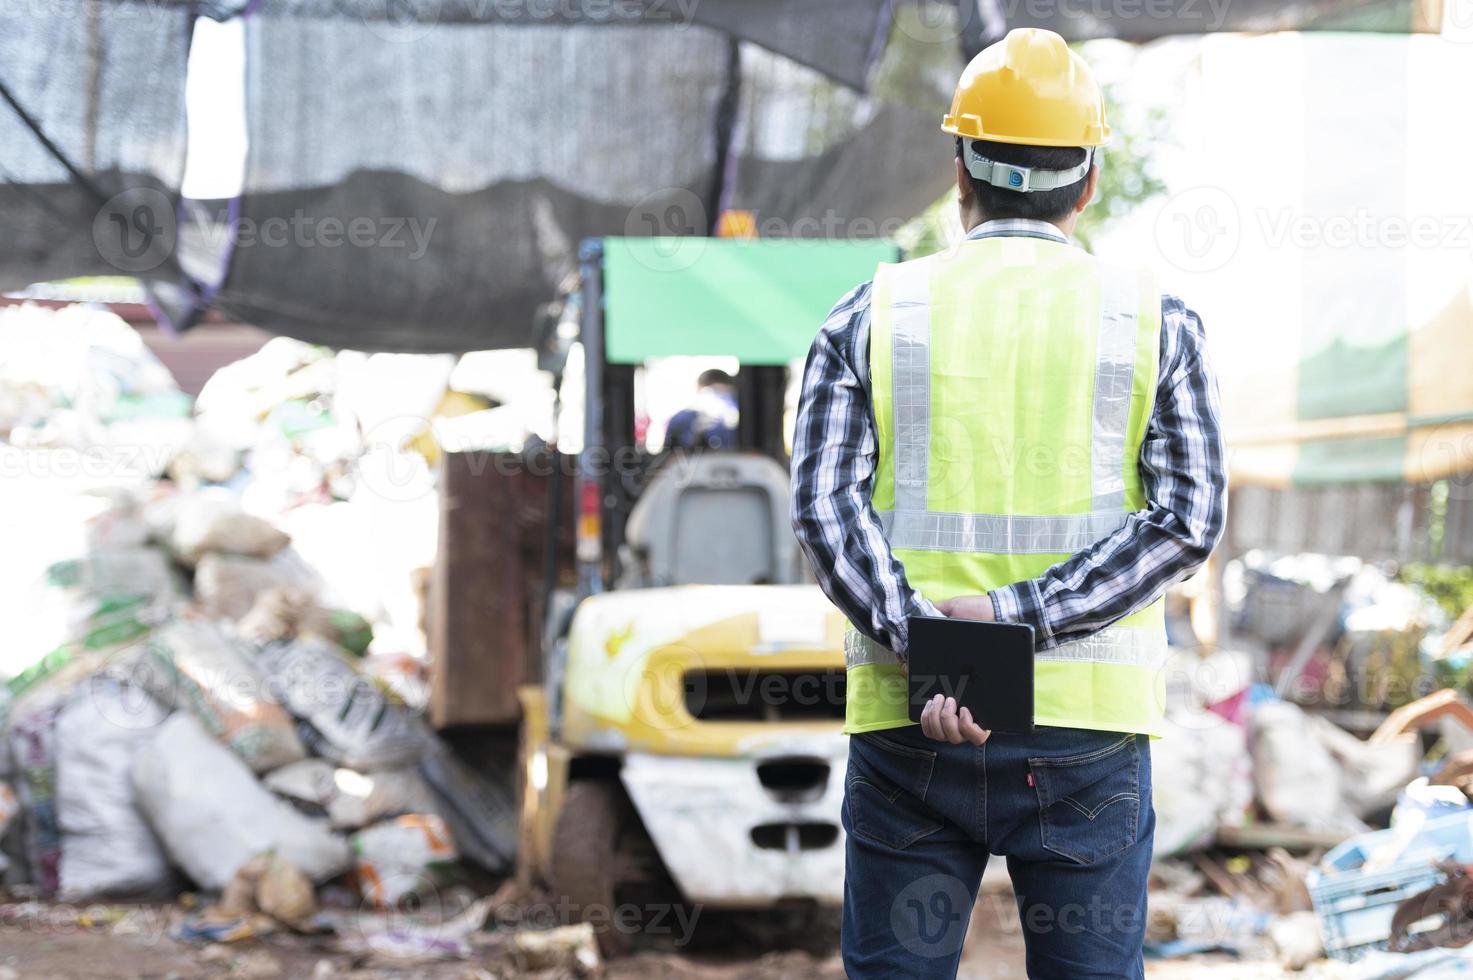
(1012, 431)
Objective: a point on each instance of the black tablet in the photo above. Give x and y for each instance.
(987, 667)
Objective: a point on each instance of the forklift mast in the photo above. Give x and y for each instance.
(758, 300)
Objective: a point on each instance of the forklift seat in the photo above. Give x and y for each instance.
(713, 518)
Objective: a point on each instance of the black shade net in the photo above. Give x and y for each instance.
(92, 138)
(420, 172)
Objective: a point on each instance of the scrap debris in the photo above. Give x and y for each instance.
(1441, 916)
(199, 702)
(1349, 847)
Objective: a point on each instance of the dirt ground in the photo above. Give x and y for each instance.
(103, 956)
(79, 947)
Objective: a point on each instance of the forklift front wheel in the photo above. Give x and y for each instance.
(590, 856)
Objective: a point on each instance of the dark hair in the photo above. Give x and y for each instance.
(998, 202)
(715, 376)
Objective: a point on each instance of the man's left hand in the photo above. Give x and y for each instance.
(940, 718)
(941, 721)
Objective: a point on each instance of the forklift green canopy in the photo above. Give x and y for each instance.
(758, 300)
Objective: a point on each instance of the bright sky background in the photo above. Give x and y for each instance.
(215, 98)
(1248, 126)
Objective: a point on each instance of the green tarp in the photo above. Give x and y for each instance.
(758, 300)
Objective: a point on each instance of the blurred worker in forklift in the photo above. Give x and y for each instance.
(1010, 430)
(711, 420)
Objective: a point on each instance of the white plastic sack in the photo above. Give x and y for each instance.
(228, 586)
(213, 816)
(1374, 773)
(107, 848)
(205, 523)
(204, 457)
(193, 665)
(308, 783)
(120, 571)
(120, 525)
(1298, 780)
(402, 857)
(1201, 777)
(363, 798)
(356, 723)
(351, 799)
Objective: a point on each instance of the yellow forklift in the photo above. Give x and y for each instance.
(686, 740)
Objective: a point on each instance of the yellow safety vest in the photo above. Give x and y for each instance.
(1012, 379)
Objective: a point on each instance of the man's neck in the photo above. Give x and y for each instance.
(1064, 227)
(1026, 227)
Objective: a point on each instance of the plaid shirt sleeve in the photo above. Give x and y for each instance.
(1184, 469)
(834, 454)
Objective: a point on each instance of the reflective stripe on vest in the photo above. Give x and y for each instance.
(1037, 398)
(1134, 646)
(910, 364)
(999, 534)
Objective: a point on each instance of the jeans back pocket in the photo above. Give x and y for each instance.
(886, 790)
(1089, 805)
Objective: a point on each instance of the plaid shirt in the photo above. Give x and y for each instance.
(834, 458)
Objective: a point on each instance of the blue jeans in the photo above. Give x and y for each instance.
(1069, 809)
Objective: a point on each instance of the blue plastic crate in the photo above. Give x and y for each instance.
(1355, 906)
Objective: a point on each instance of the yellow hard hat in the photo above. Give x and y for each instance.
(1028, 88)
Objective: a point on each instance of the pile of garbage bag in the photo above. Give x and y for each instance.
(214, 715)
(168, 741)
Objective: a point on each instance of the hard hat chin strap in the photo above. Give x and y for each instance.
(1012, 178)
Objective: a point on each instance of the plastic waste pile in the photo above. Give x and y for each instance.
(209, 711)
(1283, 836)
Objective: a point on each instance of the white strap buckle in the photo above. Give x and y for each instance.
(1022, 179)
